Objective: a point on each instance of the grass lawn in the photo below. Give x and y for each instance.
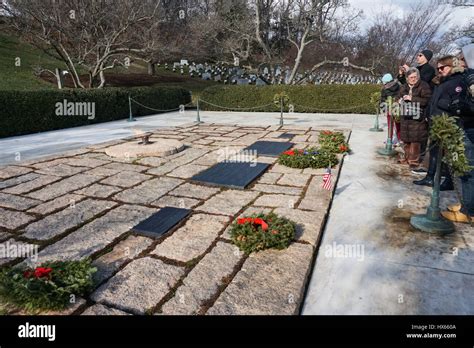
(21, 77)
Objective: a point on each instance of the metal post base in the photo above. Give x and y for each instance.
(387, 152)
(376, 129)
(428, 223)
(132, 120)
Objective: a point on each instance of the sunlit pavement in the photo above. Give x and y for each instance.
(371, 261)
(35, 146)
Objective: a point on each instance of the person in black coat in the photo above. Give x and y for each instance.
(427, 72)
(451, 88)
(464, 212)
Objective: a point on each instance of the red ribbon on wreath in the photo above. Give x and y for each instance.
(253, 221)
(38, 273)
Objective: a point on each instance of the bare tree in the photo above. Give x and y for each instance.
(398, 40)
(269, 29)
(467, 31)
(318, 21)
(223, 33)
(94, 35)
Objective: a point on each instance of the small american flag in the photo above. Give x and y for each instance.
(327, 180)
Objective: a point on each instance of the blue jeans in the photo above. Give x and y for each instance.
(468, 179)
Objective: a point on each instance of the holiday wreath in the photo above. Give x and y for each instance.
(260, 232)
(48, 287)
(310, 158)
(445, 131)
(334, 142)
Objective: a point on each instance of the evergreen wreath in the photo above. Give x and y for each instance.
(277, 99)
(310, 158)
(261, 232)
(445, 131)
(48, 287)
(334, 142)
(375, 101)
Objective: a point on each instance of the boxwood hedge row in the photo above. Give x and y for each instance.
(351, 99)
(26, 112)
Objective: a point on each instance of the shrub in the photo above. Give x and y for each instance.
(48, 287)
(353, 99)
(26, 112)
(310, 158)
(261, 232)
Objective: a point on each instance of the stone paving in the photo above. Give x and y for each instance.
(84, 203)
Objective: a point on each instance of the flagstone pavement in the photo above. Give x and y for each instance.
(84, 204)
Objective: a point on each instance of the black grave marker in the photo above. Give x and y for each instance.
(287, 136)
(233, 175)
(269, 148)
(160, 223)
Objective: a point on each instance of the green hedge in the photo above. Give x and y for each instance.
(350, 99)
(26, 112)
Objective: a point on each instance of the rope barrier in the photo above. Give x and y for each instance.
(233, 108)
(272, 104)
(152, 109)
(227, 108)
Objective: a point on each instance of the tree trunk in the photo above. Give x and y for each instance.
(299, 57)
(75, 76)
(102, 79)
(59, 78)
(296, 66)
(91, 80)
(72, 68)
(151, 68)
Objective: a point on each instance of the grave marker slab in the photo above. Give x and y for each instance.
(233, 175)
(287, 136)
(269, 148)
(160, 223)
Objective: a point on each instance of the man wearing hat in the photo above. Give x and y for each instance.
(427, 72)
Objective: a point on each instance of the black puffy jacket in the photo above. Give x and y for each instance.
(451, 88)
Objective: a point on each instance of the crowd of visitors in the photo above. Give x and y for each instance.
(421, 93)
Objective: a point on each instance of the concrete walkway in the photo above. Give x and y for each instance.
(35, 146)
(393, 269)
